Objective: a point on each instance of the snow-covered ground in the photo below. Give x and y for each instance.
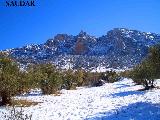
(100, 69)
(113, 101)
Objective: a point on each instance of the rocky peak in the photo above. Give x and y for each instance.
(120, 46)
(61, 37)
(50, 42)
(82, 34)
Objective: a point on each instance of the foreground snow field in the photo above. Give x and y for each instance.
(113, 101)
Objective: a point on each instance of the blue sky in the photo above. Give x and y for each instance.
(25, 25)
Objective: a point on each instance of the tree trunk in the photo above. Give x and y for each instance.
(146, 85)
(6, 99)
(152, 86)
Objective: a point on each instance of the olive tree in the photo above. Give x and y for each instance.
(8, 79)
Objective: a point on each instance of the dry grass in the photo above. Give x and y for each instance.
(158, 87)
(57, 93)
(73, 88)
(24, 103)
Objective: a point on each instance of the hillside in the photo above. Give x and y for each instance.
(118, 48)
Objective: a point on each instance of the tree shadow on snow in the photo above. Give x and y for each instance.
(31, 94)
(127, 93)
(123, 86)
(136, 111)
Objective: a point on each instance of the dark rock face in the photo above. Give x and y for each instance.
(119, 48)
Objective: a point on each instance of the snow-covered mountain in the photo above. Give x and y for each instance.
(119, 48)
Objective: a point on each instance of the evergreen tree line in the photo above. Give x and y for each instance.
(14, 80)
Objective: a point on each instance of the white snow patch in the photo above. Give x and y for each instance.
(112, 101)
(151, 37)
(100, 69)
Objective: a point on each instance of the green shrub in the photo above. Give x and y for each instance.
(149, 70)
(110, 76)
(52, 84)
(69, 80)
(8, 79)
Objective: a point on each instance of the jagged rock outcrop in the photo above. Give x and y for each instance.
(119, 48)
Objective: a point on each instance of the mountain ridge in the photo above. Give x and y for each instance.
(118, 48)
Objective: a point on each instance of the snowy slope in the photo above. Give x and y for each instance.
(118, 48)
(113, 101)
